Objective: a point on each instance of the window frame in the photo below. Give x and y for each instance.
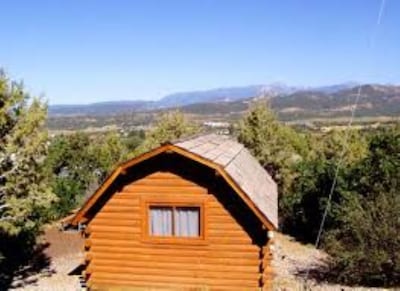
(173, 202)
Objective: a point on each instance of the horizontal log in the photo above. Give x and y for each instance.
(115, 222)
(120, 208)
(135, 241)
(116, 215)
(125, 195)
(92, 229)
(166, 181)
(229, 232)
(222, 221)
(111, 284)
(219, 216)
(217, 208)
(115, 202)
(150, 260)
(148, 189)
(164, 175)
(206, 265)
(221, 240)
(176, 280)
(116, 236)
(214, 273)
(223, 226)
(131, 252)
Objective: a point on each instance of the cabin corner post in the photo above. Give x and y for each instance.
(87, 256)
(266, 256)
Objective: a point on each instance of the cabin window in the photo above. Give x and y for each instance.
(175, 221)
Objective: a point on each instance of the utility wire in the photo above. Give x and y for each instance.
(346, 137)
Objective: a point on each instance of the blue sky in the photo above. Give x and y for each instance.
(81, 51)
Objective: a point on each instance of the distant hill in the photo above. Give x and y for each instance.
(224, 95)
(219, 95)
(375, 100)
(101, 108)
(334, 88)
(300, 105)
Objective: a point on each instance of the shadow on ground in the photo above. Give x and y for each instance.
(317, 272)
(77, 271)
(21, 260)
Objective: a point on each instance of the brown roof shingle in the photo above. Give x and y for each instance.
(242, 167)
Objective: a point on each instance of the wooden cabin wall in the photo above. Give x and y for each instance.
(117, 254)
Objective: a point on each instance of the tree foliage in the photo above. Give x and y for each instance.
(363, 221)
(77, 164)
(134, 139)
(276, 146)
(365, 247)
(170, 126)
(24, 187)
(23, 147)
(301, 210)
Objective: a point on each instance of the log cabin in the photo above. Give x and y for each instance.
(195, 214)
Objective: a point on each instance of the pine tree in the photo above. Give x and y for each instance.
(276, 146)
(23, 147)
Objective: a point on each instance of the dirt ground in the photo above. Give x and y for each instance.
(65, 253)
(291, 261)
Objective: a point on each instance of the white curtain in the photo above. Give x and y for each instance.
(161, 221)
(187, 222)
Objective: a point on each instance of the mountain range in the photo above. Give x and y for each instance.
(182, 99)
(325, 104)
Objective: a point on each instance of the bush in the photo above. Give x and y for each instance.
(365, 246)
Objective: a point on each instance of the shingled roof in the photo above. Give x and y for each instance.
(243, 168)
(230, 158)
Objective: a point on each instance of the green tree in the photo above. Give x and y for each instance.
(302, 209)
(72, 170)
(106, 151)
(277, 146)
(24, 189)
(365, 246)
(77, 164)
(24, 186)
(134, 139)
(170, 126)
